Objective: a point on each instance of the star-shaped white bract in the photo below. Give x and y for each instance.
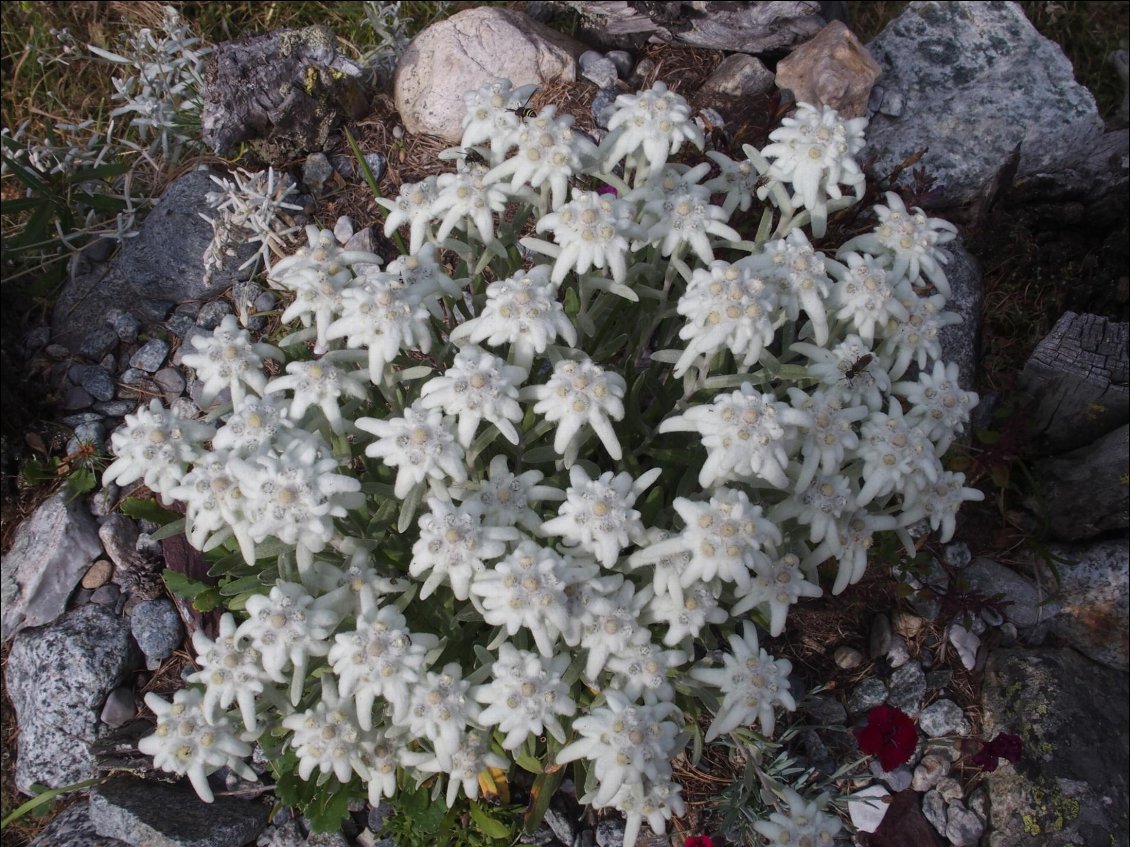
(326, 737)
(917, 339)
(230, 359)
(850, 546)
(830, 437)
(320, 383)
(654, 123)
(413, 206)
(549, 154)
(777, 588)
(686, 612)
(593, 230)
(505, 499)
(453, 546)
(440, 710)
(470, 756)
(867, 294)
(230, 673)
(478, 386)
(850, 371)
(940, 404)
(491, 114)
(893, 450)
(465, 200)
(156, 446)
(420, 444)
(525, 696)
(688, 218)
(253, 427)
(643, 671)
(580, 394)
(801, 276)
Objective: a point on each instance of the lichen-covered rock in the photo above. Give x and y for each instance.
(58, 678)
(72, 828)
(469, 50)
(1094, 583)
(1083, 493)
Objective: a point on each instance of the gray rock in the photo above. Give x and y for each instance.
(171, 382)
(87, 435)
(116, 408)
(183, 325)
(866, 696)
(1077, 382)
(76, 398)
(156, 814)
(824, 710)
(36, 339)
(99, 341)
(82, 419)
(97, 382)
(1071, 784)
(158, 630)
(72, 828)
(564, 828)
(153, 309)
(622, 59)
(58, 677)
(127, 326)
(316, 170)
(934, 810)
(957, 555)
(50, 552)
(949, 789)
(542, 836)
(212, 314)
(610, 832)
(120, 707)
(1025, 603)
(598, 70)
(908, 687)
(943, 717)
(946, 59)
(899, 652)
(930, 772)
(149, 357)
(880, 641)
(107, 595)
(867, 807)
(960, 341)
(897, 780)
(361, 240)
(289, 834)
(1083, 494)
(963, 827)
(1095, 599)
(847, 658)
(602, 106)
(475, 46)
(326, 839)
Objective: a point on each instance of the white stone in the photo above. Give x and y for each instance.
(966, 643)
(868, 807)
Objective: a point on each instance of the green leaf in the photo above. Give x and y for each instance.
(542, 791)
(169, 530)
(184, 586)
(48, 795)
(147, 510)
(206, 601)
(487, 825)
(82, 481)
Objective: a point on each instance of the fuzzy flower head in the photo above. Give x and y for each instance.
(253, 427)
(579, 394)
(549, 154)
(801, 276)
(230, 672)
(454, 546)
(525, 696)
(686, 614)
(806, 823)
(521, 310)
(737, 180)
(326, 737)
(894, 451)
(465, 200)
(643, 671)
(319, 383)
(155, 445)
(478, 386)
(776, 588)
(413, 206)
(440, 710)
(505, 499)
(186, 742)
(654, 123)
(597, 514)
(230, 359)
(688, 218)
(941, 500)
(917, 339)
(463, 764)
(593, 230)
(213, 501)
(420, 444)
(849, 371)
(867, 295)
(814, 149)
(830, 437)
(940, 404)
(491, 114)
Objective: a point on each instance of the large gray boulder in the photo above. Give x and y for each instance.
(72, 828)
(1083, 494)
(1094, 614)
(58, 678)
(970, 83)
(50, 553)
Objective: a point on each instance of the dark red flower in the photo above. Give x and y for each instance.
(1004, 746)
(890, 735)
(699, 841)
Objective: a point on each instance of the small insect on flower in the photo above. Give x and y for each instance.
(858, 366)
(525, 112)
(473, 157)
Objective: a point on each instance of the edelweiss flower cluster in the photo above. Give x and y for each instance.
(500, 489)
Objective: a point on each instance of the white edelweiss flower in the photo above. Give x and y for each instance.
(323, 254)
(746, 434)
(470, 756)
(424, 275)
(491, 114)
(320, 383)
(867, 294)
(440, 710)
(454, 546)
(356, 583)
(383, 315)
(667, 566)
(586, 597)
(413, 206)
(912, 238)
(326, 737)
(527, 590)
(655, 123)
(477, 386)
(465, 198)
(287, 627)
(778, 588)
(917, 338)
(317, 300)
(940, 405)
(894, 451)
(156, 446)
(849, 371)
(940, 501)
(830, 436)
(597, 514)
(504, 499)
(525, 696)
(521, 310)
(420, 445)
(850, 547)
(213, 501)
(726, 537)
(186, 742)
(229, 672)
(801, 276)
(252, 427)
(655, 801)
(806, 822)
(643, 671)
(580, 393)
(819, 506)
(727, 307)
(752, 683)
(688, 218)
(230, 359)
(737, 180)
(549, 154)
(686, 614)
(380, 658)
(294, 496)
(627, 744)
(613, 627)
(593, 230)
(813, 149)
(382, 759)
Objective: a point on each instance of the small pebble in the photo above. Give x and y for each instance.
(866, 696)
(171, 381)
(75, 398)
(929, 771)
(847, 658)
(880, 636)
(622, 59)
(343, 229)
(107, 595)
(98, 343)
(98, 574)
(153, 310)
(868, 806)
(181, 325)
(96, 381)
(934, 810)
(149, 357)
(316, 171)
(943, 717)
(906, 624)
(120, 707)
(963, 827)
(898, 654)
(157, 629)
(212, 314)
(966, 643)
(949, 789)
(897, 780)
